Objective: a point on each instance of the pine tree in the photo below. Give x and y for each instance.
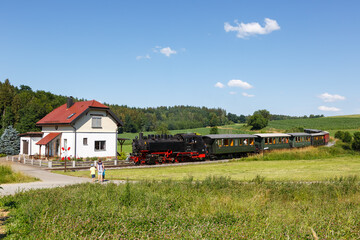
(10, 141)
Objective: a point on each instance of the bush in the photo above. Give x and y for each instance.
(356, 142)
(347, 138)
(214, 130)
(339, 135)
(122, 156)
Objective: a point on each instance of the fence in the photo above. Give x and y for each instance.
(61, 164)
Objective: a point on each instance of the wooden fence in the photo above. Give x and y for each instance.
(61, 164)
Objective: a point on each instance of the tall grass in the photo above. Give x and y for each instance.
(214, 208)
(308, 153)
(7, 175)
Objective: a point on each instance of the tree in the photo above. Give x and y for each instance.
(356, 142)
(214, 130)
(265, 113)
(10, 141)
(257, 121)
(162, 129)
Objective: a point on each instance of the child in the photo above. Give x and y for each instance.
(92, 172)
(104, 175)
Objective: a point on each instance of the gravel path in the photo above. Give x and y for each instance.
(47, 179)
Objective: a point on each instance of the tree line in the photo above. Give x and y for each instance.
(21, 107)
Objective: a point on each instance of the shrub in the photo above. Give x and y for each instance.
(122, 156)
(347, 138)
(214, 130)
(356, 142)
(339, 135)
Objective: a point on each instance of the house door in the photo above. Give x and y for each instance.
(25, 147)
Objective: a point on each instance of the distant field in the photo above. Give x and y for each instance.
(328, 123)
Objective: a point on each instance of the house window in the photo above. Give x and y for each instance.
(100, 146)
(65, 143)
(85, 141)
(96, 122)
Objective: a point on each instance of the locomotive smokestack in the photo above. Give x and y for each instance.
(141, 136)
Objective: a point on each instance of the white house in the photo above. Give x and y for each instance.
(86, 129)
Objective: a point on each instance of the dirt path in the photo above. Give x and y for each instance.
(47, 179)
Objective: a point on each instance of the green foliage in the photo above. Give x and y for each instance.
(162, 129)
(22, 107)
(122, 156)
(214, 130)
(356, 142)
(339, 135)
(10, 141)
(347, 138)
(7, 175)
(215, 208)
(265, 113)
(257, 121)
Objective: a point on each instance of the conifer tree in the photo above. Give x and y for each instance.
(10, 141)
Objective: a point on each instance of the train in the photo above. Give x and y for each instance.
(185, 147)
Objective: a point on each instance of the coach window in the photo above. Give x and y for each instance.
(226, 142)
(236, 142)
(231, 142)
(219, 142)
(251, 141)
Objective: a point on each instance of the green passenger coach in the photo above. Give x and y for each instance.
(229, 145)
(270, 141)
(300, 140)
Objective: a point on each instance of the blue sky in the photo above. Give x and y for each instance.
(289, 57)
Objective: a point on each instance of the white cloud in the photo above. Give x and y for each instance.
(248, 29)
(329, 109)
(219, 85)
(326, 97)
(167, 51)
(232, 93)
(147, 56)
(247, 95)
(239, 83)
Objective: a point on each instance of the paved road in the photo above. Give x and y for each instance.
(47, 179)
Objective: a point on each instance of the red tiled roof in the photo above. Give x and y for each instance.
(64, 115)
(47, 138)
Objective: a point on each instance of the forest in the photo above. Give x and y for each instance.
(21, 107)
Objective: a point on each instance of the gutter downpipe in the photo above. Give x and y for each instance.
(75, 139)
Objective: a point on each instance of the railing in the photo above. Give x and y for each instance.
(61, 164)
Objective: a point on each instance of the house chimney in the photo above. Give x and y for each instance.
(70, 102)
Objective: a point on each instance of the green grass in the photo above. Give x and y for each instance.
(216, 208)
(7, 175)
(307, 168)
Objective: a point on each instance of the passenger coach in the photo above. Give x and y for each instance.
(229, 145)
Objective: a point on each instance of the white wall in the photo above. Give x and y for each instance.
(33, 148)
(89, 150)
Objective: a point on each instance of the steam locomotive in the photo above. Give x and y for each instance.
(154, 149)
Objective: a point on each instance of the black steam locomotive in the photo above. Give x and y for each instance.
(153, 149)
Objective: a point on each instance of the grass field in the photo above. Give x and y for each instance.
(216, 208)
(7, 175)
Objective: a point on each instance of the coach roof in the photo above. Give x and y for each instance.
(223, 136)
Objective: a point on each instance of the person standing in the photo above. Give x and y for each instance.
(100, 167)
(92, 172)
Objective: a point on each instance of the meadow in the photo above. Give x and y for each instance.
(7, 175)
(215, 208)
